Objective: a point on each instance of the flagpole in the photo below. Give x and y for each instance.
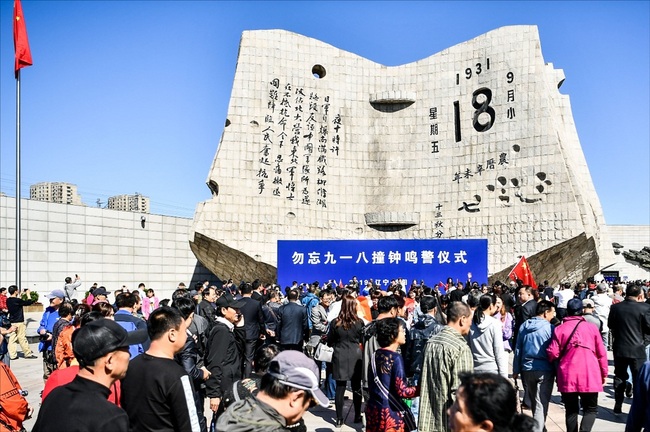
(18, 243)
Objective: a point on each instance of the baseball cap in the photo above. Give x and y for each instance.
(227, 300)
(602, 287)
(100, 337)
(588, 303)
(56, 293)
(294, 369)
(574, 306)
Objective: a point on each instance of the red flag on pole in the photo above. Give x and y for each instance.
(21, 44)
(522, 271)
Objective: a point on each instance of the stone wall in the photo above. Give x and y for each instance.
(109, 247)
(473, 142)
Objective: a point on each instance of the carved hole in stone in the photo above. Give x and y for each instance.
(540, 188)
(227, 122)
(258, 257)
(490, 188)
(502, 180)
(504, 198)
(559, 84)
(548, 182)
(358, 230)
(291, 215)
(214, 187)
(515, 182)
(541, 176)
(516, 148)
(503, 191)
(318, 71)
(391, 107)
(254, 123)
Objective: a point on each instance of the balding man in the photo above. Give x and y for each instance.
(446, 356)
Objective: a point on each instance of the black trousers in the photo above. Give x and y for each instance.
(249, 353)
(589, 402)
(620, 374)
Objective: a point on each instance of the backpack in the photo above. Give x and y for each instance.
(310, 302)
(13, 406)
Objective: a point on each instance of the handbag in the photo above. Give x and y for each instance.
(395, 403)
(323, 353)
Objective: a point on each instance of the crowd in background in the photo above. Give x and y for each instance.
(420, 357)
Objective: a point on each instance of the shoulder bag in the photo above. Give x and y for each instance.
(323, 352)
(395, 403)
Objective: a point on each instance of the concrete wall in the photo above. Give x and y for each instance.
(105, 246)
(631, 237)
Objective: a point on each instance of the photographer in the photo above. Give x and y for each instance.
(45, 329)
(17, 319)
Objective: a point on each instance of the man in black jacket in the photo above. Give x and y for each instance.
(224, 353)
(255, 326)
(629, 322)
(293, 323)
(102, 349)
(206, 307)
(17, 318)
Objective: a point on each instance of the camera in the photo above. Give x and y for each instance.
(4, 321)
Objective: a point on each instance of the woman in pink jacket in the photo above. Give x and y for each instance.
(581, 367)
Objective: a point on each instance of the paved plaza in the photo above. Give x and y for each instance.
(29, 374)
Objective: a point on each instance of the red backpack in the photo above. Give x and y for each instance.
(13, 406)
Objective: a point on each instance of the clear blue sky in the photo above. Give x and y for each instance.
(129, 96)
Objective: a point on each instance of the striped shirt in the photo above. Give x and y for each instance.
(446, 356)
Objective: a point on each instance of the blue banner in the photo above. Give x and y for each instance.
(382, 260)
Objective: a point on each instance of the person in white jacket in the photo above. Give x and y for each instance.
(603, 304)
(485, 339)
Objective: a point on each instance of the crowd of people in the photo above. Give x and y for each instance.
(413, 357)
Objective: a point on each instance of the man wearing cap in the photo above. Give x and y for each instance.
(588, 308)
(157, 392)
(287, 391)
(102, 349)
(101, 295)
(45, 329)
(224, 353)
(532, 362)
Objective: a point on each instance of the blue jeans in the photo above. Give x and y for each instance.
(328, 384)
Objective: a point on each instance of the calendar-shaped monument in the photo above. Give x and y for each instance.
(473, 142)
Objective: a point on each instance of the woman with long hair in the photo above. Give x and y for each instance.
(385, 410)
(345, 336)
(506, 319)
(486, 338)
(487, 402)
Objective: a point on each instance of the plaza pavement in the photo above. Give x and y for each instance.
(30, 375)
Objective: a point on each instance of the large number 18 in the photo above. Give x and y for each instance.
(481, 107)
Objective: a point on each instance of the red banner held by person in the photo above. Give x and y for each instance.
(522, 271)
(21, 43)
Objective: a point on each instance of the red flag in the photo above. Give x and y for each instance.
(522, 271)
(21, 44)
(341, 283)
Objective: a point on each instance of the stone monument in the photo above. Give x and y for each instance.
(473, 142)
